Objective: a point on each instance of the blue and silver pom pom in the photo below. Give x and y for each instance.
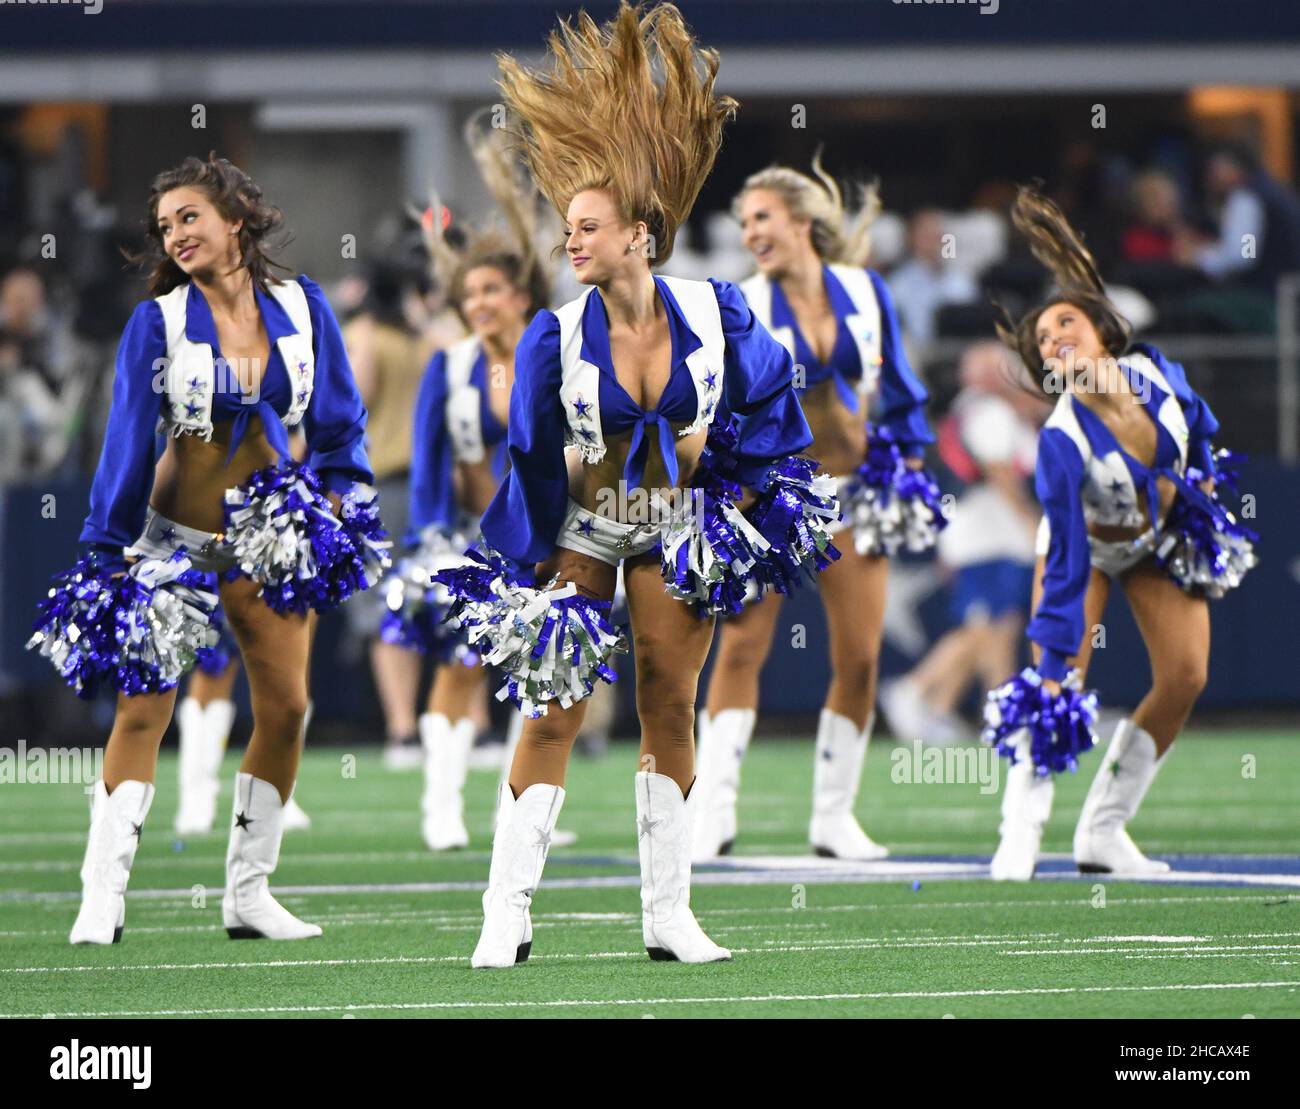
(890, 506)
(1201, 546)
(794, 513)
(1060, 727)
(136, 632)
(416, 606)
(552, 644)
(214, 660)
(284, 534)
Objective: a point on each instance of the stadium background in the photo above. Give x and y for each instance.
(348, 113)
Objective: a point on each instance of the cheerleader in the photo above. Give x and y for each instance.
(838, 323)
(1127, 479)
(496, 284)
(226, 358)
(635, 373)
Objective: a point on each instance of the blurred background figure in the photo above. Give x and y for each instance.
(988, 440)
(928, 280)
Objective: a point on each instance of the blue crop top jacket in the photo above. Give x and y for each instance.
(334, 421)
(524, 519)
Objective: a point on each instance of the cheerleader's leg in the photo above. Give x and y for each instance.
(1176, 630)
(670, 644)
(514, 733)
(119, 806)
(275, 651)
(853, 593)
(726, 727)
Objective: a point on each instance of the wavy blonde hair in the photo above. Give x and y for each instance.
(512, 250)
(600, 118)
(839, 233)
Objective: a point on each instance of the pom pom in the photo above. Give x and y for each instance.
(552, 644)
(794, 512)
(890, 506)
(1060, 727)
(136, 632)
(416, 606)
(285, 536)
(214, 660)
(709, 550)
(1201, 546)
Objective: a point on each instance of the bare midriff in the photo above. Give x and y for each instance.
(192, 476)
(839, 436)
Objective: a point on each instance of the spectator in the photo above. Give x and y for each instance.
(1157, 221)
(927, 280)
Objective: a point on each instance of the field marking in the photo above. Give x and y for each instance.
(408, 1006)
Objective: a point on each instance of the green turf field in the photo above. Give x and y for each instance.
(400, 923)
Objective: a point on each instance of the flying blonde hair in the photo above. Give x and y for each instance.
(599, 119)
(839, 234)
(513, 250)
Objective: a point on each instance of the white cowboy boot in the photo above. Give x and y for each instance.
(116, 822)
(559, 837)
(668, 926)
(1026, 808)
(723, 741)
(1101, 842)
(446, 759)
(197, 810)
(525, 825)
(840, 754)
(248, 910)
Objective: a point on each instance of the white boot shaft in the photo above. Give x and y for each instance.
(840, 755)
(668, 926)
(1101, 841)
(200, 758)
(525, 826)
(220, 719)
(723, 743)
(247, 908)
(116, 824)
(446, 762)
(1026, 808)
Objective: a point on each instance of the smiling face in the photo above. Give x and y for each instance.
(490, 304)
(771, 233)
(1064, 332)
(194, 234)
(597, 240)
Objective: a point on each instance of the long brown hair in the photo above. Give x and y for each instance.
(237, 197)
(599, 119)
(1058, 247)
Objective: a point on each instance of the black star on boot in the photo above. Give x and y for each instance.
(242, 821)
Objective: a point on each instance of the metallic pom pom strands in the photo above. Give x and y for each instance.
(284, 534)
(136, 632)
(889, 506)
(1061, 727)
(709, 550)
(794, 511)
(416, 606)
(214, 660)
(552, 644)
(1202, 547)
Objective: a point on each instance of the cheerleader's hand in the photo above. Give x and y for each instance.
(1207, 486)
(1053, 689)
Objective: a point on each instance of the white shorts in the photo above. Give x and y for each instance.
(1111, 557)
(162, 536)
(603, 538)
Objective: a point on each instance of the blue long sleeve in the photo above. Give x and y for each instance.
(335, 420)
(902, 396)
(1201, 423)
(1057, 626)
(432, 489)
(525, 516)
(758, 389)
(119, 496)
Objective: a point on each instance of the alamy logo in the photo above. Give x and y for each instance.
(58, 766)
(91, 1063)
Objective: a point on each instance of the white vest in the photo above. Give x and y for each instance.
(580, 379)
(1109, 497)
(191, 370)
(463, 412)
(863, 323)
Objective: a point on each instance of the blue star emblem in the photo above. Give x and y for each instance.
(587, 526)
(587, 434)
(194, 385)
(708, 408)
(580, 407)
(1116, 486)
(191, 410)
(302, 367)
(302, 396)
(168, 534)
(711, 380)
